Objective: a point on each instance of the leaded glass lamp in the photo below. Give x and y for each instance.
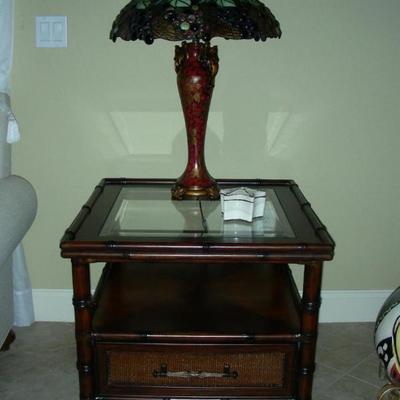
(195, 23)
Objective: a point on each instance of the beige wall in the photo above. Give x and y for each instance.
(321, 105)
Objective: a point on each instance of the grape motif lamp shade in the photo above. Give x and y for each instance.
(195, 23)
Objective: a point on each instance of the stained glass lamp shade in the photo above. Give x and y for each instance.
(195, 22)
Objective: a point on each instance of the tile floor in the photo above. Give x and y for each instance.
(40, 364)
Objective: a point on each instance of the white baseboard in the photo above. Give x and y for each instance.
(337, 305)
(352, 305)
(53, 305)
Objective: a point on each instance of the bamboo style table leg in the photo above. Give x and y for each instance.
(82, 302)
(310, 304)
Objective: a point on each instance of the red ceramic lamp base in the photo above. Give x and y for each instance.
(196, 65)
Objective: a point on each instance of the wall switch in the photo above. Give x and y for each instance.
(51, 31)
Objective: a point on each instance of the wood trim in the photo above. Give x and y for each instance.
(319, 227)
(310, 303)
(82, 302)
(86, 209)
(225, 181)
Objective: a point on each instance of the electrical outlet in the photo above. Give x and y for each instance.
(51, 31)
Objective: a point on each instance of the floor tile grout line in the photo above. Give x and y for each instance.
(364, 382)
(347, 372)
(360, 379)
(344, 375)
(368, 383)
(341, 374)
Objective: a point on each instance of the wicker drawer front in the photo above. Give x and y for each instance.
(142, 368)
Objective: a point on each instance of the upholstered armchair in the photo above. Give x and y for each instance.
(18, 206)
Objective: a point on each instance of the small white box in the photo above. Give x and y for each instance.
(242, 203)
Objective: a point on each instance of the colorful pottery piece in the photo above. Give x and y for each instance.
(387, 336)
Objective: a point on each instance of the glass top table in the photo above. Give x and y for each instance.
(180, 278)
(147, 211)
(133, 217)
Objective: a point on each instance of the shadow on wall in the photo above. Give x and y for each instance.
(158, 138)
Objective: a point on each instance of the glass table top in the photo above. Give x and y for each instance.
(148, 211)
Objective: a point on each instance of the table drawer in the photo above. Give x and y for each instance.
(201, 370)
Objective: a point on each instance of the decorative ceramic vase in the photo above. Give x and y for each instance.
(387, 336)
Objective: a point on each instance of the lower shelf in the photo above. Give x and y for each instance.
(196, 330)
(197, 302)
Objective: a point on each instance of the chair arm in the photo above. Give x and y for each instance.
(18, 205)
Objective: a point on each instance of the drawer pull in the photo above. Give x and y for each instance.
(163, 372)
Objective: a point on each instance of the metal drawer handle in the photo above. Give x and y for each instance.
(163, 372)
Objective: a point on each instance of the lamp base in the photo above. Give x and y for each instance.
(196, 65)
(180, 192)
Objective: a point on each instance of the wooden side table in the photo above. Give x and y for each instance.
(189, 306)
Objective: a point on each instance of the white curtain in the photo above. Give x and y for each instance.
(6, 43)
(23, 305)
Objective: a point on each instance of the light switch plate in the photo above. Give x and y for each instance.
(51, 31)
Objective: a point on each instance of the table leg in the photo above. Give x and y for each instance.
(310, 308)
(82, 302)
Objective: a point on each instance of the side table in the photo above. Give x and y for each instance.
(190, 306)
